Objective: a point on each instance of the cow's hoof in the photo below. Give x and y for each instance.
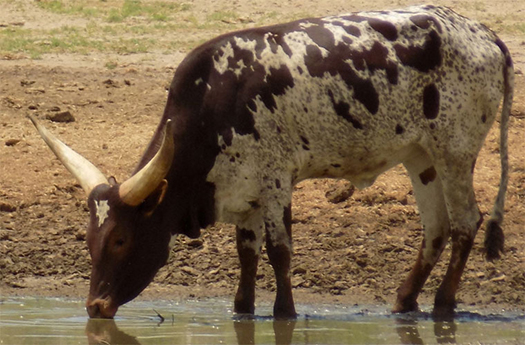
(285, 314)
(405, 307)
(443, 313)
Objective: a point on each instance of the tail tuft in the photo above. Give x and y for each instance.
(494, 240)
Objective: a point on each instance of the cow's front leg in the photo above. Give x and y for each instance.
(249, 243)
(279, 248)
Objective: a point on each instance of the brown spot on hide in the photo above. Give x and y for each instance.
(343, 109)
(431, 101)
(373, 59)
(352, 30)
(423, 21)
(423, 58)
(246, 235)
(335, 64)
(428, 175)
(320, 35)
(387, 29)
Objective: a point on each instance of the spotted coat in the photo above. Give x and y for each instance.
(349, 96)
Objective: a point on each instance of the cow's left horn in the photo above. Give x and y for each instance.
(83, 170)
(139, 186)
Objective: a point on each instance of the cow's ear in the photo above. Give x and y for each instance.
(154, 199)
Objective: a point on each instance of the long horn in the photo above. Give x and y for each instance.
(138, 187)
(83, 170)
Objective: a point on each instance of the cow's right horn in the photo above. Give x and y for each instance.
(138, 187)
(83, 170)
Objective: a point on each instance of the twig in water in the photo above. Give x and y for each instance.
(160, 316)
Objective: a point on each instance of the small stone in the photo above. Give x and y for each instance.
(27, 82)
(339, 194)
(340, 285)
(35, 90)
(196, 243)
(64, 116)
(299, 270)
(499, 278)
(80, 235)
(11, 142)
(110, 83)
(190, 270)
(5, 207)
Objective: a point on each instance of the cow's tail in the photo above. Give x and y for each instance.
(494, 238)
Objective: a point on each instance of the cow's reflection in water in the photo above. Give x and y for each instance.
(100, 331)
(107, 332)
(245, 331)
(444, 331)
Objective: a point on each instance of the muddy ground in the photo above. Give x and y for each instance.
(357, 250)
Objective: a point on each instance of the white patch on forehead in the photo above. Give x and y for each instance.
(102, 211)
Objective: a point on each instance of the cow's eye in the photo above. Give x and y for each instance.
(119, 243)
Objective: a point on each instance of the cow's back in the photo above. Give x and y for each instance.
(343, 96)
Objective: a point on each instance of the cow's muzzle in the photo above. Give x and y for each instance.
(101, 308)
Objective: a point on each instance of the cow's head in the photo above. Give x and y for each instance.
(125, 239)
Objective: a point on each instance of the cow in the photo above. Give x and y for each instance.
(251, 113)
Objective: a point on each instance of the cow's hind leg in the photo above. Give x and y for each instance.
(249, 242)
(432, 209)
(465, 219)
(278, 226)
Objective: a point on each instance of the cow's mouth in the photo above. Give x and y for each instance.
(101, 308)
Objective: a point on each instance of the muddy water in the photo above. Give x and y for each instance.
(58, 321)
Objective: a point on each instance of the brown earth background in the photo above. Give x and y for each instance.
(111, 73)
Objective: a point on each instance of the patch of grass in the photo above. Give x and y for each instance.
(115, 11)
(155, 11)
(222, 16)
(131, 46)
(111, 65)
(68, 7)
(124, 27)
(509, 24)
(517, 28)
(68, 40)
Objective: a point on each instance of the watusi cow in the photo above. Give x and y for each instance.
(249, 114)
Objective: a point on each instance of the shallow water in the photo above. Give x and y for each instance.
(211, 321)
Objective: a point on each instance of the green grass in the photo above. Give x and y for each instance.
(69, 40)
(223, 16)
(121, 27)
(114, 11)
(68, 7)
